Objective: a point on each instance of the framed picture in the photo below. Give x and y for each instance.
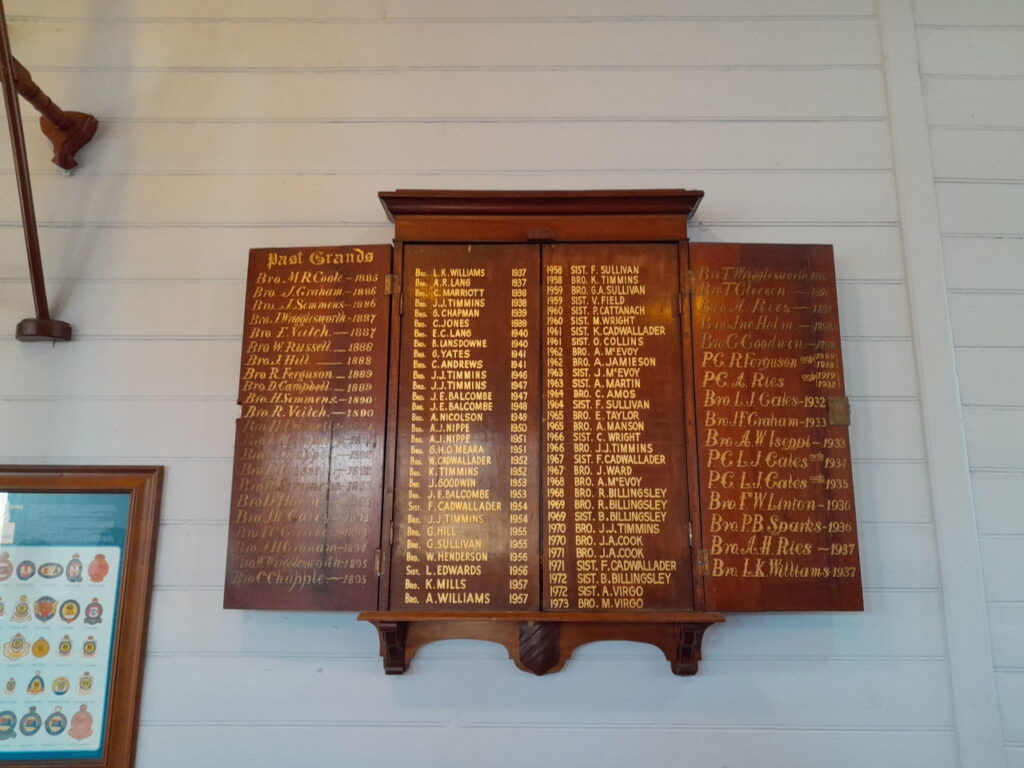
(77, 549)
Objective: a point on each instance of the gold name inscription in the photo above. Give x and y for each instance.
(777, 483)
(308, 360)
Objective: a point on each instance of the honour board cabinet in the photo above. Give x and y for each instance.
(542, 418)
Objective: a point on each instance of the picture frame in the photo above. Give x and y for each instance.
(77, 552)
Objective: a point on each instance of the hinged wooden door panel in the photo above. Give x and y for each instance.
(617, 507)
(467, 471)
(778, 531)
(305, 524)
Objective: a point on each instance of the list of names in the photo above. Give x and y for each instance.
(541, 422)
(466, 484)
(615, 497)
(775, 468)
(305, 512)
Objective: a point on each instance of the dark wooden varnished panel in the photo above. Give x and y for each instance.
(541, 642)
(532, 203)
(542, 229)
(427, 215)
(479, 455)
(305, 522)
(467, 476)
(778, 528)
(615, 490)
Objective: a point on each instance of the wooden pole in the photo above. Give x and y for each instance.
(41, 327)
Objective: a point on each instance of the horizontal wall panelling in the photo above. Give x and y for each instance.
(253, 123)
(198, 148)
(798, 197)
(328, 44)
(374, 10)
(402, 95)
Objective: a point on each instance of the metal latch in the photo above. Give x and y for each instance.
(703, 569)
(838, 411)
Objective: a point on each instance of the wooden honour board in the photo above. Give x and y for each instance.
(305, 525)
(777, 517)
(562, 427)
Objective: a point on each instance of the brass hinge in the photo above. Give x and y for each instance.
(391, 533)
(689, 526)
(839, 411)
(389, 283)
(401, 304)
(378, 562)
(702, 563)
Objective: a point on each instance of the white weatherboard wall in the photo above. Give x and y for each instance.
(229, 125)
(972, 67)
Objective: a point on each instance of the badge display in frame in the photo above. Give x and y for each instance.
(76, 562)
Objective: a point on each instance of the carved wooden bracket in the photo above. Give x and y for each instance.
(540, 641)
(67, 131)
